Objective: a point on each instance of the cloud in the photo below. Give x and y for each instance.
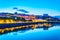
(34, 11)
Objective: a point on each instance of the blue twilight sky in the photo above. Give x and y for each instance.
(35, 5)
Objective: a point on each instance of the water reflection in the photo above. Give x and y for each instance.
(23, 29)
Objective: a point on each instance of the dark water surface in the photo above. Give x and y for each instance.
(53, 33)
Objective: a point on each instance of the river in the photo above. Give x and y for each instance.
(53, 33)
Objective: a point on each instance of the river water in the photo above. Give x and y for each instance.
(53, 33)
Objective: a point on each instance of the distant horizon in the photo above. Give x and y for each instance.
(35, 7)
(33, 11)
